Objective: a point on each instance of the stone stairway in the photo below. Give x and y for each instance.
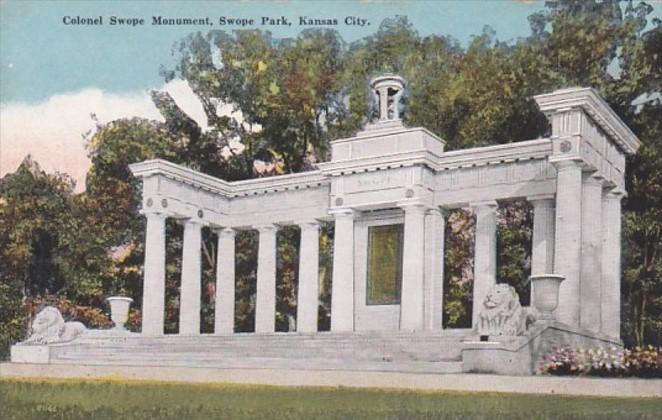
(433, 352)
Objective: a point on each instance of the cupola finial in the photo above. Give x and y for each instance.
(389, 89)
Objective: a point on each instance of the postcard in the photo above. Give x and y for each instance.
(420, 195)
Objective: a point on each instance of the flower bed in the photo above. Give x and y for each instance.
(643, 362)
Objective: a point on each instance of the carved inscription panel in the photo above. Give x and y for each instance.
(379, 180)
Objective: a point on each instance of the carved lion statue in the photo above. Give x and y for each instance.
(502, 313)
(49, 327)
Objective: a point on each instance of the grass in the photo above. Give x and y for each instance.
(115, 399)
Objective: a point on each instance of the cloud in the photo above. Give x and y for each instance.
(51, 131)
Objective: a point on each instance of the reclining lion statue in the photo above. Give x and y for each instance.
(502, 314)
(49, 327)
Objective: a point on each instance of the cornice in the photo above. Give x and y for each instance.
(392, 130)
(181, 174)
(600, 112)
(228, 189)
(503, 153)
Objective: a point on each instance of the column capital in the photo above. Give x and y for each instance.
(311, 224)
(414, 207)
(592, 178)
(153, 214)
(225, 231)
(614, 194)
(269, 227)
(192, 222)
(563, 165)
(438, 211)
(541, 198)
(343, 213)
(488, 205)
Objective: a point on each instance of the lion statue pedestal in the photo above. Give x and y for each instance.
(48, 327)
(509, 340)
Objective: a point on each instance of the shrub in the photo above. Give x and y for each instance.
(645, 362)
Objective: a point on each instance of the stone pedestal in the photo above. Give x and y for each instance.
(30, 354)
(225, 280)
(153, 310)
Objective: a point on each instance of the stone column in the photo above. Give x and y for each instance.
(225, 279)
(189, 309)
(591, 253)
(611, 264)
(265, 302)
(308, 291)
(383, 103)
(542, 251)
(567, 239)
(435, 226)
(485, 253)
(342, 286)
(153, 310)
(413, 268)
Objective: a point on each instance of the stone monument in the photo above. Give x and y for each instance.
(387, 190)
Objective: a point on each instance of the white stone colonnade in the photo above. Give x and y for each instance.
(189, 320)
(574, 181)
(423, 262)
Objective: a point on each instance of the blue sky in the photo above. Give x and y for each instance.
(53, 76)
(41, 56)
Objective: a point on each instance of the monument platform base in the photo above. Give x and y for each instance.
(523, 355)
(432, 352)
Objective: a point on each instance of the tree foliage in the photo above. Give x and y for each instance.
(273, 105)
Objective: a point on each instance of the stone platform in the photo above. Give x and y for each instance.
(433, 352)
(430, 352)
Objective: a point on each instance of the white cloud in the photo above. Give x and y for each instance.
(51, 131)
(187, 101)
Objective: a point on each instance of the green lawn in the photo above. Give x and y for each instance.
(109, 399)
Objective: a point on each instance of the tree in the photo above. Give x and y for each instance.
(45, 247)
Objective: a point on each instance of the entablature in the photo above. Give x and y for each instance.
(588, 100)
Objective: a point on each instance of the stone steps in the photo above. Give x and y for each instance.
(437, 352)
(201, 360)
(374, 354)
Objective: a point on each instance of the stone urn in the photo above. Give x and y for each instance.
(546, 294)
(119, 311)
